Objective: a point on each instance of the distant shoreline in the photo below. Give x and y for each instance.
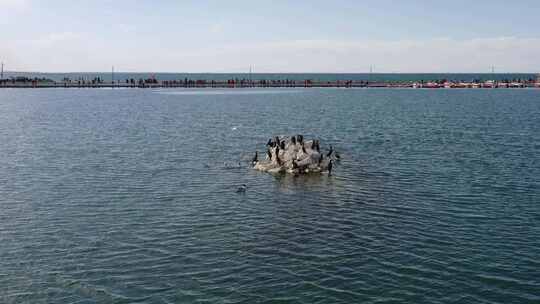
(372, 77)
(261, 80)
(205, 84)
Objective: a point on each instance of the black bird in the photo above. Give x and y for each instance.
(255, 158)
(293, 140)
(241, 189)
(330, 152)
(330, 168)
(276, 140)
(283, 145)
(300, 138)
(269, 143)
(278, 160)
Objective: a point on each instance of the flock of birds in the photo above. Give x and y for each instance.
(295, 155)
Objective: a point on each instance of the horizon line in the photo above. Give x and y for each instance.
(259, 73)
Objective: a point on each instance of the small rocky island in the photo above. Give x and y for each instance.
(294, 155)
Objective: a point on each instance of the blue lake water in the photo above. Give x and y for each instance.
(129, 196)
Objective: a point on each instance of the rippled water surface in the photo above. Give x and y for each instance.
(124, 196)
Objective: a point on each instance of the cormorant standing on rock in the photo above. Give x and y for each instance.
(255, 158)
(279, 162)
(330, 152)
(293, 140)
(269, 143)
(330, 168)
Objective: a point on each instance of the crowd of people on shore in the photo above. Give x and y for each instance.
(152, 81)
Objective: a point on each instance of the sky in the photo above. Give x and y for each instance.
(336, 36)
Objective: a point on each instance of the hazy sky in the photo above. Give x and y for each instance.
(273, 36)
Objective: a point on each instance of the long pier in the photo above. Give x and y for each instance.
(150, 83)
